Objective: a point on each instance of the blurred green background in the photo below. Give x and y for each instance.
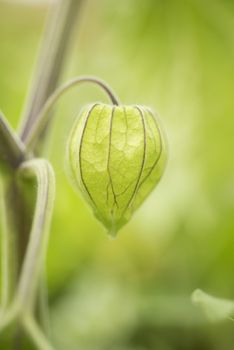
(133, 293)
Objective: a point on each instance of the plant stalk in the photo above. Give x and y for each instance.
(8, 247)
(55, 45)
(42, 171)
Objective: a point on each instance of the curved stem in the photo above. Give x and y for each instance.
(43, 115)
(61, 22)
(32, 265)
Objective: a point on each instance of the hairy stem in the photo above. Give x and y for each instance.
(41, 170)
(13, 208)
(56, 40)
(43, 116)
(12, 154)
(8, 252)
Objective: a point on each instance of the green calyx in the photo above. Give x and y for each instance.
(116, 155)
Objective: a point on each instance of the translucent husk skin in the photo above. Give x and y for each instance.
(116, 155)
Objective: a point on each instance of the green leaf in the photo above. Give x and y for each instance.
(215, 309)
(11, 148)
(116, 156)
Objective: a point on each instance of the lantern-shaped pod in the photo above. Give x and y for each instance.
(116, 156)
